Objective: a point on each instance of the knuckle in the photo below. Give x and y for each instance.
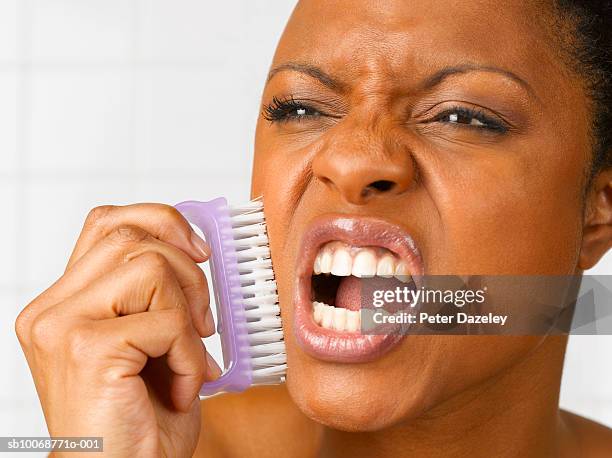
(78, 344)
(42, 332)
(111, 375)
(128, 235)
(23, 323)
(200, 368)
(197, 282)
(98, 215)
(172, 220)
(181, 320)
(197, 288)
(170, 213)
(155, 263)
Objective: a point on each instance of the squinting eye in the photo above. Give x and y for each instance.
(468, 117)
(288, 110)
(292, 112)
(460, 119)
(301, 112)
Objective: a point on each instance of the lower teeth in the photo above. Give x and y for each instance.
(336, 318)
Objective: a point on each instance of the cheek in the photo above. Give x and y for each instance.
(507, 220)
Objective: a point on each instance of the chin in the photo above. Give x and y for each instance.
(351, 410)
(354, 398)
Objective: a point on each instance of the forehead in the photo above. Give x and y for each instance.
(410, 38)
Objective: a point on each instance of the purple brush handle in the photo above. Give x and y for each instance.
(213, 219)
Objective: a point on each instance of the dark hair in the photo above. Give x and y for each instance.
(591, 52)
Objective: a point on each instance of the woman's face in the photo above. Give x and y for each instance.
(452, 125)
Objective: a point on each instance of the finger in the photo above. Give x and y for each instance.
(136, 293)
(125, 244)
(145, 285)
(148, 282)
(214, 371)
(154, 334)
(162, 221)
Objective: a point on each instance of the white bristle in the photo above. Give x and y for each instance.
(249, 266)
(261, 300)
(272, 360)
(258, 288)
(268, 287)
(250, 207)
(262, 337)
(270, 374)
(250, 230)
(250, 242)
(253, 253)
(271, 322)
(244, 219)
(259, 312)
(256, 275)
(267, 349)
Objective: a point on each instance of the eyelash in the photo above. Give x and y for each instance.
(285, 110)
(486, 122)
(280, 110)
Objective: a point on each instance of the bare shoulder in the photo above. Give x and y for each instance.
(595, 439)
(261, 422)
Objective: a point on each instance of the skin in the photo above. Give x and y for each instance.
(476, 201)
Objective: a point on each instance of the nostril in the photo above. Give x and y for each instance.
(381, 185)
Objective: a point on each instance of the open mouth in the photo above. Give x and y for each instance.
(340, 260)
(341, 273)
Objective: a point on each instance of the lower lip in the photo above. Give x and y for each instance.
(331, 345)
(334, 346)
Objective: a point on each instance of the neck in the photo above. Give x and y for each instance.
(515, 413)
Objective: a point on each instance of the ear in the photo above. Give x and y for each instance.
(597, 231)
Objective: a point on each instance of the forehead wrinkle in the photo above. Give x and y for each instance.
(374, 76)
(365, 27)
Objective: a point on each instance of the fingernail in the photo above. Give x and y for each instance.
(209, 322)
(200, 245)
(213, 368)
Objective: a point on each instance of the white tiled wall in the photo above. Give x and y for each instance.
(117, 101)
(114, 101)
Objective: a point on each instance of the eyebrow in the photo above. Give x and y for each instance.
(446, 72)
(309, 70)
(429, 83)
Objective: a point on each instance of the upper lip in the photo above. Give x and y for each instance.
(358, 231)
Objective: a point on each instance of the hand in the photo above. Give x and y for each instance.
(114, 345)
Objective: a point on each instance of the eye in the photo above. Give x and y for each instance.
(288, 109)
(472, 118)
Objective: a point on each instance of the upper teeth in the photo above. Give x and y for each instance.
(342, 260)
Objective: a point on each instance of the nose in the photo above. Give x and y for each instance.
(361, 167)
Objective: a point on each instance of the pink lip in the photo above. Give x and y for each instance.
(330, 345)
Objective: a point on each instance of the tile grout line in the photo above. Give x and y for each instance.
(134, 73)
(114, 64)
(22, 115)
(60, 175)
